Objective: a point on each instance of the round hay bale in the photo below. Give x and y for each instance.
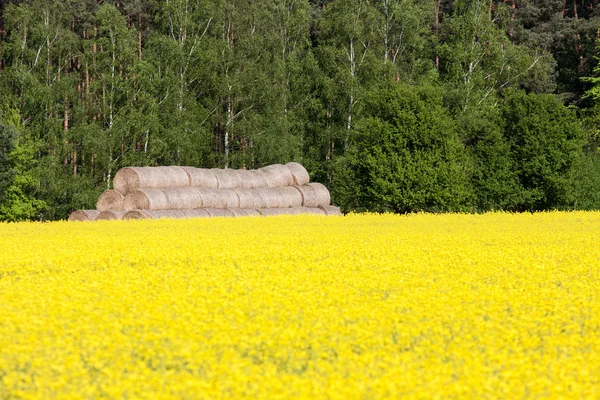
(229, 197)
(331, 210)
(299, 173)
(292, 196)
(111, 214)
(201, 177)
(138, 214)
(133, 178)
(277, 175)
(84, 215)
(146, 199)
(277, 211)
(110, 200)
(238, 212)
(310, 210)
(252, 213)
(290, 211)
(197, 213)
(183, 198)
(259, 201)
(265, 212)
(286, 198)
(227, 178)
(309, 195)
(159, 214)
(208, 197)
(245, 198)
(322, 193)
(219, 201)
(271, 198)
(217, 212)
(252, 178)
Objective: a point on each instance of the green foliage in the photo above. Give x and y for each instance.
(94, 86)
(546, 140)
(406, 156)
(587, 183)
(17, 201)
(8, 136)
(479, 60)
(494, 179)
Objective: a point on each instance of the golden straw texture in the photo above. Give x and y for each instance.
(84, 215)
(133, 178)
(299, 173)
(111, 215)
(110, 200)
(201, 178)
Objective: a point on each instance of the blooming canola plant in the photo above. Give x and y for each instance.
(362, 306)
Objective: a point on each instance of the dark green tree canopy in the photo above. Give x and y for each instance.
(407, 155)
(8, 137)
(396, 105)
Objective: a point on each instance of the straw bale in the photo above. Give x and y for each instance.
(309, 195)
(217, 212)
(245, 197)
(259, 201)
(322, 193)
(111, 214)
(209, 197)
(146, 199)
(285, 199)
(110, 200)
(230, 198)
(138, 214)
(252, 213)
(183, 198)
(201, 177)
(154, 214)
(277, 175)
(158, 214)
(331, 210)
(196, 213)
(84, 215)
(238, 212)
(265, 212)
(292, 196)
(309, 210)
(218, 201)
(252, 178)
(227, 178)
(290, 211)
(132, 178)
(271, 198)
(299, 173)
(277, 211)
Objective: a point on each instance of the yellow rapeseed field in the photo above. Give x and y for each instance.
(356, 307)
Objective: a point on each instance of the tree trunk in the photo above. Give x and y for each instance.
(139, 37)
(66, 128)
(578, 46)
(74, 162)
(436, 28)
(329, 138)
(228, 127)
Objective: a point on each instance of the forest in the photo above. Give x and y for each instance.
(395, 105)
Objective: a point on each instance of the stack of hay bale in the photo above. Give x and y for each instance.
(188, 192)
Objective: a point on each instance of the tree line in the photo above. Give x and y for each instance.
(396, 105)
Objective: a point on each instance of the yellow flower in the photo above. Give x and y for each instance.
(363, 306)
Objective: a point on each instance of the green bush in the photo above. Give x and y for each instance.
(405, 156)
(545, 140)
